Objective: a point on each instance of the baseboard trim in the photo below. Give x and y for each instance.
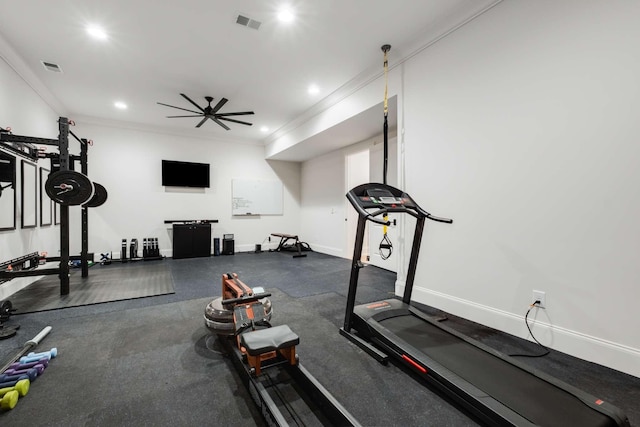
(327, 250)
(587, 347)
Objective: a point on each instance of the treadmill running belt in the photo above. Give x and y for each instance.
(533, 398)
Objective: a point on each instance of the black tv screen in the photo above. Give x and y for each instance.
(185, 174)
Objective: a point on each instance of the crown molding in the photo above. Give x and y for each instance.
(22, 69)
(369, 75)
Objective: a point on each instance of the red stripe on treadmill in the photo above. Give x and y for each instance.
(414, 363)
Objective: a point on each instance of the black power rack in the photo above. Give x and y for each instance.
(25, 146)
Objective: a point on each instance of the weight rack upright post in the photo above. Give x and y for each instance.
(84, 251)
(63, 149)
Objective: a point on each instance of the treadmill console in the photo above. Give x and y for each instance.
(383, 198)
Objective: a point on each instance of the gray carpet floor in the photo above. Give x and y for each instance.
(151, 361)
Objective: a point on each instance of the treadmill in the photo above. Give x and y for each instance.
(496, 388)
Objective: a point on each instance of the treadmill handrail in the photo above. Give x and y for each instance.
(421, 213)
(438, 218)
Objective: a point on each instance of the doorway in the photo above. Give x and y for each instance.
(356, 173)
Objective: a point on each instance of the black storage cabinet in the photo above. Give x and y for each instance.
(191, 240)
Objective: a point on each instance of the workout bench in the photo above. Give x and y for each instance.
(285, 238)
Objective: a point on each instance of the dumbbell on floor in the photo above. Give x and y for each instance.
(9, 400)
(21, 386)
(7, 378)
(36, 356)
(9, 395)
(38, 370)
(18, 365)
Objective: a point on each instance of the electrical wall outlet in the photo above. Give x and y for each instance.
(539, 296)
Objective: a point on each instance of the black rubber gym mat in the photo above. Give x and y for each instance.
(104, 284)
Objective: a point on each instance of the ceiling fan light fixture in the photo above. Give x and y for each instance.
(210, 113)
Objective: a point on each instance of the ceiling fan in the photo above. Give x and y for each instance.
(210, 112)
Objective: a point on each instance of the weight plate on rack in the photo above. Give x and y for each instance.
(69, 188)
(99, 196)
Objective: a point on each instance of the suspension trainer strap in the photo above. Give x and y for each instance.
(386, 247)
(385, 130)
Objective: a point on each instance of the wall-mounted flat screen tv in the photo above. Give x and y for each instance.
(185, 174)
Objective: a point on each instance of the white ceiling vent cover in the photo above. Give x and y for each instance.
(50, 66)
(248, 22)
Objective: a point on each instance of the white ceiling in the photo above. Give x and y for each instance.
(157, 50)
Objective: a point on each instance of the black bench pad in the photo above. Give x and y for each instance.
(270, 339)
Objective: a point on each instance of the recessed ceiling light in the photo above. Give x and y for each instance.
(313, 90)
(96, 32)
(264, 129)
(120, 105)
(285, 15)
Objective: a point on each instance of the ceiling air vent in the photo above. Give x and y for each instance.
(50, 66)
(248, 22)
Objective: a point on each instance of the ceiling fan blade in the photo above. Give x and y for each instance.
(202, 122)
(191, 101)
(179, 108)
(219, 122)
(243, 113)
(219, 104)
(174, 117)
(235, 121)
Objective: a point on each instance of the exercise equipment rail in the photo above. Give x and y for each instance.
(240, 319)
(494, 387)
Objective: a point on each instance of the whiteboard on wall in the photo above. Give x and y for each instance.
(256, 197)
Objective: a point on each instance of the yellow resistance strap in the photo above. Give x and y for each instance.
(386, 247)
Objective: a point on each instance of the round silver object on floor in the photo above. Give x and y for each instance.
(220, 320)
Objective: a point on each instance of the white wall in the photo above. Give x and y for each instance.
(324, 207)
(322, 210)
(128, 163)
(26, 113)
(522, 126)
